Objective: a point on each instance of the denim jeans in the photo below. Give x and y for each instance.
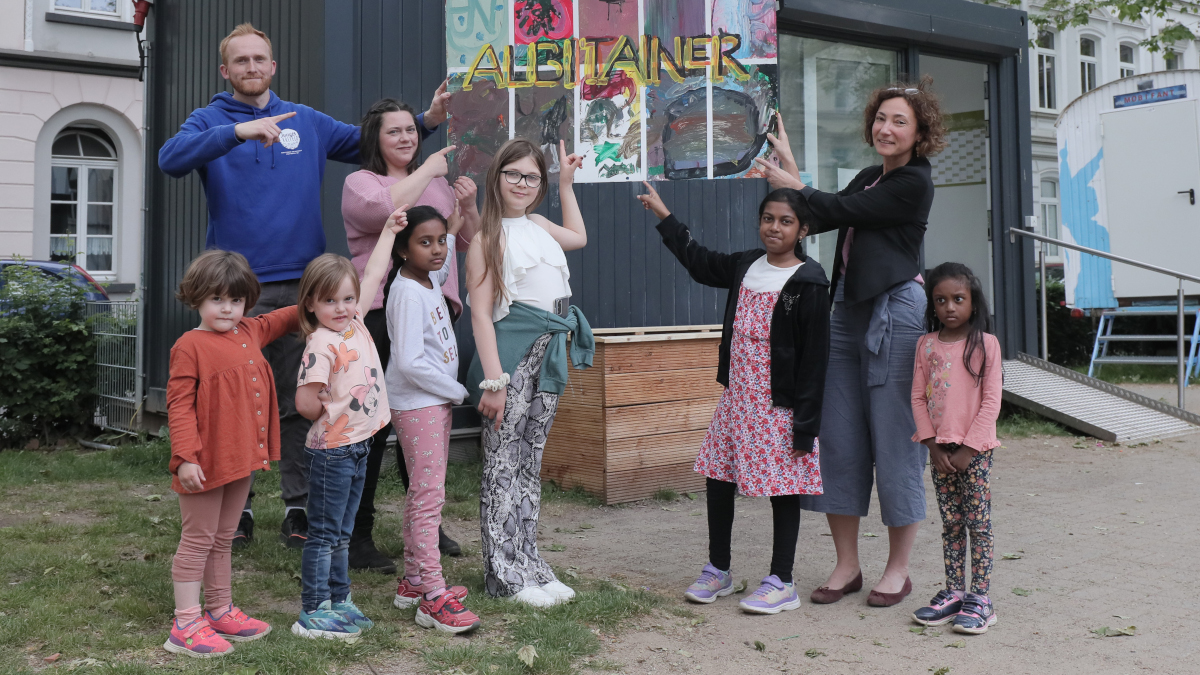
(335, 484)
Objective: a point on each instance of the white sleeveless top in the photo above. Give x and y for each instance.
(534, 269)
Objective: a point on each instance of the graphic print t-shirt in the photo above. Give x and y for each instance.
(348, 365)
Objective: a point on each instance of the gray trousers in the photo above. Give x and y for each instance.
(284, 356)
(866, 420)
(511, 495)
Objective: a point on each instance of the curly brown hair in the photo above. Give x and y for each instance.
(931, 132)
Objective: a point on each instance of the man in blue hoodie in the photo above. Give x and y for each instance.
(261, 161)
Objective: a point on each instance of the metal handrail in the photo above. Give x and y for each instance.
(1181, 374)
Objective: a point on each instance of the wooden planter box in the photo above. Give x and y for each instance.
(632, 423)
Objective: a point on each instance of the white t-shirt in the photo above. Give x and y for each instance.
(534, 269)
(423, 368)
(763, 277)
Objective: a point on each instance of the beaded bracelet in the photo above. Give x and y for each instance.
(496, 384)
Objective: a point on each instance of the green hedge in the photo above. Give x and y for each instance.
(47, 358)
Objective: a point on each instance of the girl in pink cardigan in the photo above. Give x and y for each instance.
(957, 383)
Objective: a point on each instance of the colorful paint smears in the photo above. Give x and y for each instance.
(644, 89)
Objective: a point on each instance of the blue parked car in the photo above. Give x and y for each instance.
(60, 270)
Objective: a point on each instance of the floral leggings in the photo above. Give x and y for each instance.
(965, 500)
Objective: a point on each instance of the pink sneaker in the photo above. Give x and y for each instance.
(197, 640)
(408, 595)
(235, 626)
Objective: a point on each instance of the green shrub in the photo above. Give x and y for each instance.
(1071, 338)
(47, 357)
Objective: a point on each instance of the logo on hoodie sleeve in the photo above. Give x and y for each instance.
(289, 138)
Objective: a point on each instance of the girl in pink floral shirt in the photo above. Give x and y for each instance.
(957, 383)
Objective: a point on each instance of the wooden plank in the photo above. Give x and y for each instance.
(659, 418)
(642, 357)
(635, 484)
(574, 422)
(585, 387)
(647, 330)
(657, 387)
(657, 450)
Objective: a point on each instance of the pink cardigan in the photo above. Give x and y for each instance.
(366, 205)
(947, 404)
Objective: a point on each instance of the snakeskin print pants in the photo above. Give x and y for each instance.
(511, 495)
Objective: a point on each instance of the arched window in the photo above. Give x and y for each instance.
(1089, 64)
(1128, 54)
(1045, 65)
(83, 179)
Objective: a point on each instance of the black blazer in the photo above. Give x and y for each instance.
(889, 223)
(799, 325)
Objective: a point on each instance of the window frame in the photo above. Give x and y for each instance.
(1053, 254)
(1167, 59)
(1047, 92)
(84, 165)
(118, 14)
(1089, 65)
(1127, 68)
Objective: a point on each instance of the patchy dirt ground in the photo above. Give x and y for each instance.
(1106, 537)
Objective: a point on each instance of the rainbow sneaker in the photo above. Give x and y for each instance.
(712, 584)
(235, 626)
(326, 623)
(196, 639)
(353, 614)
(772, 597)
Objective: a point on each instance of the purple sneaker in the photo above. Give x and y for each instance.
(941, 610)
(772, 597)
(712, 584)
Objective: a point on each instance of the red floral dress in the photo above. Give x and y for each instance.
(749, 441)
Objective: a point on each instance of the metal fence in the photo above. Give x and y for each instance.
(116, 327)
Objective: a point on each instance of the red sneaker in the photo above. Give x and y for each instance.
(235, 626)
(197, 640)
(408, 595)
(446, 614)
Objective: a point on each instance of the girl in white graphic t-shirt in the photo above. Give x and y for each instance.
(422, 382)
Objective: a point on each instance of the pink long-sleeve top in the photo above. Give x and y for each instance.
(366, 205)
(947, 403)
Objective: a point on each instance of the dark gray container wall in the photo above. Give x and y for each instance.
(624, 277)
(183, 75)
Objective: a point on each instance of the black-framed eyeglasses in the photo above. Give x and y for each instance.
(514, 178)
(909, 91)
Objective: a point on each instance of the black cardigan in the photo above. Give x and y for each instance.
(799, 325)
(889, 225)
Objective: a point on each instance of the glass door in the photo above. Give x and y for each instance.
(823, 92)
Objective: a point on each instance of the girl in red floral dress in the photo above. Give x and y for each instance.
(774, 347)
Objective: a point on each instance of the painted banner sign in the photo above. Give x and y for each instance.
(643, 89)
(1150, 96)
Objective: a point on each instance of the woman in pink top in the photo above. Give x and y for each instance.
(392, 174)
(956, 389)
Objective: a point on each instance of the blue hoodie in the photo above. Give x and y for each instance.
(264, 203)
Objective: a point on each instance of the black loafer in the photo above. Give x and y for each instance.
(245, 532)
(364, 556)
(294, 531)
(447, 545)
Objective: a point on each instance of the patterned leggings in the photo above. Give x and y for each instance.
(511, 495)
(965, 500)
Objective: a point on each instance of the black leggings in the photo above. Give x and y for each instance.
(785, 510)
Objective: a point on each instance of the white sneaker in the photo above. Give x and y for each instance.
(560, 591)
(535, 597)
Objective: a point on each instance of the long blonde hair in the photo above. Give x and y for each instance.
(321, 280)
(490, 229)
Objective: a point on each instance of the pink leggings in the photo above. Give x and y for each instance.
(209, 520)
(424, 436)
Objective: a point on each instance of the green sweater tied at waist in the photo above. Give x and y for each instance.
(517, 332)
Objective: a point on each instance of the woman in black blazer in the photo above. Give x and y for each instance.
(878, 315)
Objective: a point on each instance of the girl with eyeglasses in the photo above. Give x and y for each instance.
(518, 291)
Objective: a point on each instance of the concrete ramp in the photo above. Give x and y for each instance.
(1098, 408)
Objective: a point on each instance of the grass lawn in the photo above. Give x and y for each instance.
(85, 573)
(1135, 373)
